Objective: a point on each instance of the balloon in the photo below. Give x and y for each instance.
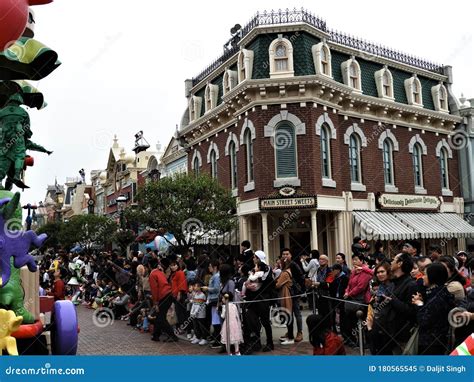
(13, 19)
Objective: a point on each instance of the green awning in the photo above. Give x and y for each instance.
(27, 59)
(32, 96)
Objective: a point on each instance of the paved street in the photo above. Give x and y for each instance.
(120, 339)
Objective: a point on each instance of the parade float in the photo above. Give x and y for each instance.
(22, 58)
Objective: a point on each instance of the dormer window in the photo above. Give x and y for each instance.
(245, 65)
(322, 59)
(384, 82)
(280, 54)
(413, 90)
(229, 80)
(351, 74)
(211, 94)
(440, 97)
(195, 104)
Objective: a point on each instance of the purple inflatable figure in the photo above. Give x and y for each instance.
(15, 243)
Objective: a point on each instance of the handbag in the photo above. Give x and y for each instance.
(411, 348)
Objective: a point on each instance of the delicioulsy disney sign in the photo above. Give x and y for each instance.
(409, 201)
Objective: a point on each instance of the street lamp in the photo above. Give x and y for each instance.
(121, 201)
(29, 218)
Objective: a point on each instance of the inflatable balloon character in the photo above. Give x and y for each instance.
(10, 323)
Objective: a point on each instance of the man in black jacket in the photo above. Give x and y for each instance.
(246, 255)
(401, 301)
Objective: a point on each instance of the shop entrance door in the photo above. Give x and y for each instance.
(300, 242)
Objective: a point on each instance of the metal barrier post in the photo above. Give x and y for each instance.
(227, 324)
(360, 315)
(313, 296)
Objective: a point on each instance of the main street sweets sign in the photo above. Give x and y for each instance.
(414, 202)
(288, 203)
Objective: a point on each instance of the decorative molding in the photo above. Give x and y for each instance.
(197, 155)
(444, 144)
(289, 72)
(316, 50)
(212, 147)
(346, 70)
(358, 187)
(436, 92)
(324, 118)
(250, 186)
(409, 85)
(417, 139)
(378, 75)
(329, 183)
(269, 129)
(355, 129)
(245, 65)
(231, 138)
(280, 182)
(247, 124)
(388, 134)
(230, 80)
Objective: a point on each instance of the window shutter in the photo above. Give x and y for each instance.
(285, 148)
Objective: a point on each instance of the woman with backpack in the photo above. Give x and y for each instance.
(284, 283)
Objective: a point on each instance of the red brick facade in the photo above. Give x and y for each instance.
(309, 163)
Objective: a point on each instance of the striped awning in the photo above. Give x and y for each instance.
(27, 59)
(425, 224)
(381, 226)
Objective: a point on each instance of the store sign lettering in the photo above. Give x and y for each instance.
(288, 203)
(409, 201)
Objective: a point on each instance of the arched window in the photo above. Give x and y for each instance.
(281, 58)
(388, 162)
(196, 166)
(245, 65)
(386, 84)
(249, 154)
(353, 76)
(416, 92)
(213, 158)
(417, 165)
(280, 54)
(413, 91)
(443, 162)
(233, 165)
(322, 59)
(285, 151)
(354, 158)
(325, 152)
(443, 102)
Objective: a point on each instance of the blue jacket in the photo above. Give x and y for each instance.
(214, 288)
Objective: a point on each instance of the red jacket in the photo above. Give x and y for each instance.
(178, 283)
(160, 288)
(58, 290)
(359, 283)
(333, 345)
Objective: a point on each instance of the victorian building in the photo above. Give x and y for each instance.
(321, 136)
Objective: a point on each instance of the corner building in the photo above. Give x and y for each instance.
(321, 136)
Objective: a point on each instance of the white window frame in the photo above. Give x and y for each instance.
(289, 72)
(245, 65)
(362, 140)
(211, 93)
(213, 149)
(436, 92)
(324, 120)
(195, 105)
(289, 180)
(248, 125)
(387, 134)
(418, 155)
(233, 139)
(416, 139)
(346, 74)
(318, 66)
(269, 132)
(444, 146)
(230, 80)
(409, 89)
(379, 81)
(196, 155)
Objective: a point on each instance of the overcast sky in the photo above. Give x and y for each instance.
(125, 62)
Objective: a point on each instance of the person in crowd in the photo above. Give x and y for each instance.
(323, 278)
(380, 314)
(213, 291)
(357, 294)
(400, 300)
(297, 289)
(435, 252)
(198, 314)
(284, 283)
(323, 339)
(179, 288)
(378, 255)
(433, 310)
(120, 304)
(232, 325)
(463, 259)
(456, 281)
(246, 255)
(337, 288)
(311, 265)
(258, 314)
(341, 259)
(162, 298)
(58, 290)
(412, 248)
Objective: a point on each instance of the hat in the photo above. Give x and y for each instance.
(261, 256)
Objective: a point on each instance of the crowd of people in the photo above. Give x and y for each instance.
(224, 301)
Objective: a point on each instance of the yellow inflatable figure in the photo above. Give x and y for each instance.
(9, 323)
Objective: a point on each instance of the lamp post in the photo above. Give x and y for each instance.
(29, 219)
(121, 201)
